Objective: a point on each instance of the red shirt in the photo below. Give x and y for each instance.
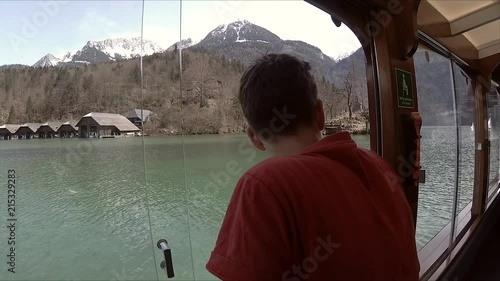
(333, 212)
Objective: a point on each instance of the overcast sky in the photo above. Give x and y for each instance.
(30, 29)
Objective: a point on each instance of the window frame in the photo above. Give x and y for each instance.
(436, 255)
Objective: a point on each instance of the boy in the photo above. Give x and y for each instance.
(319, 208)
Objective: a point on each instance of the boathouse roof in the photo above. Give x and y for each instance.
(52, 125)
(11, 128)
(136, 113)
(32, 126)
(71, 124)
(111, 119)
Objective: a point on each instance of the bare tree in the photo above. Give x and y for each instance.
(354, 88)
(200, 85)
(362, 98)
(360, 87)
(347, 91)
(328, 93)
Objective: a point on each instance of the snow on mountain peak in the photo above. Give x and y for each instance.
(238, 25)
(125, 48)
(240, 22)
(67, 57)
(239, 31)
(47, 60)
(112, 49)
(183, 44)
(219, 29)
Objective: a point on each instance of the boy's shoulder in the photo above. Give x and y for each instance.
(274, 165)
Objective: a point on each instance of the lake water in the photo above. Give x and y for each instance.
(93, 209)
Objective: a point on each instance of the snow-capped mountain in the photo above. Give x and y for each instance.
(116, 49)
(67, 58)
(103, 51)
(239, 40)
(240, 31)
(47, 60)
(183, 44)
(244, 41)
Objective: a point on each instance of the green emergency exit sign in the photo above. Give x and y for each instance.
(405, 90)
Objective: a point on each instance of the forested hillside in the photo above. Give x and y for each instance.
(67, 88)
(212, 68)
(207, 102)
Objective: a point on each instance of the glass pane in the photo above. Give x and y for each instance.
(466, 140)
(438, 143)
(494, 132)
(164, 152)
(80, 203)
(220, 39)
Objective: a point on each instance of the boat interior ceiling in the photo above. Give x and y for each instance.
(470, 29)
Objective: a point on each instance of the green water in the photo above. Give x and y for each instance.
(93, 209)
(82, 204)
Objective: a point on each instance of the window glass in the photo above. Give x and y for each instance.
(162, 106)
(69, 72)
(438, 143)
(133, 151)
(465, 132)
(493, 132)
(221, 39)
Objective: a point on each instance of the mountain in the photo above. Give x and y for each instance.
(183, 44)
(354, 62)
(239, 40)
(102, 51)
(241, 31)
(210, 71)
(115, 50)
(47, 60)
(244, 41)
(68, 57)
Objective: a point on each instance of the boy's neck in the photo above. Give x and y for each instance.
(294, 144)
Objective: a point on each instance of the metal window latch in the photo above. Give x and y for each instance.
(167, 263)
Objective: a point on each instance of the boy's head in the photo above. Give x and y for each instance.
(279, 98)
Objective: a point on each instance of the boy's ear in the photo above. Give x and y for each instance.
(252, 136)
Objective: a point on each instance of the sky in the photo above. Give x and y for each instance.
(31, 29)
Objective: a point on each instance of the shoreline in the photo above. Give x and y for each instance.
(353, 131)
(150, 134)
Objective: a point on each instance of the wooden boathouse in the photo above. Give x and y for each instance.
(8, 131)
(68, 130)
(48, 130)
(134, 116)
(28, 130)
(104, 125)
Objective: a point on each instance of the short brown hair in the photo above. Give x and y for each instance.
(278, 83)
